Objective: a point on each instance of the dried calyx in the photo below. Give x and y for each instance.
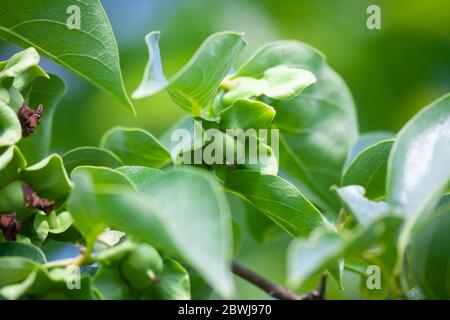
(10, 226)
(32, 199)
(29, 118)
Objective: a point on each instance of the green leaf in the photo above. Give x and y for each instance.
(16, 290)
(15, 269)
(17, 249)
(84, 216)
(10, 128)
(135, 147)
(310, 256)
(48, 93)
(368, 169)
(109, 285)
(365, 140)
(49, 179)
(418, 170)
(261, 228)
(12, 199)
(428, 255)
(194, 86)
(174, 282)
(364, 210)
(317, 127)
(11, 160)
(186, 123)
(278, 199)
(166, 215)
(280, 82)
(247, 114)
(140, 176)
(314, 253)
(105, 176)
(92, 156)
(237, 237)
(90, 51)
(116, 253)
(11, 97)
(53, 285)
(23, 68)
(53, 222)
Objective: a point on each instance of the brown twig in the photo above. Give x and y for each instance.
(319, 293)
(268, 286)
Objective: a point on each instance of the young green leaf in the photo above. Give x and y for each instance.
(317, 127)
(23, 68)
(246, 114)
(364, 210)
(10, 128)
(135, 147)
(165, 214)
(53, 223)
(48, 93)
(92, 156)
(11, 161)
(368, 169)
(195, 85)
(19, 63)
(280, 82)
(366, 140)
(278, 199)
(17, 249)
(88, 48)
(49, 179)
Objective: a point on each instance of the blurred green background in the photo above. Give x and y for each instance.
(392, 72)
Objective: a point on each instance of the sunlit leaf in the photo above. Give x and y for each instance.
(194, 86)
(280, 82)
(364, 210)
(368, 169)
(90, 51)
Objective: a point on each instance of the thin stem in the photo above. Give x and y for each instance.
(266, 285)
(85, 258)
(62, 263)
